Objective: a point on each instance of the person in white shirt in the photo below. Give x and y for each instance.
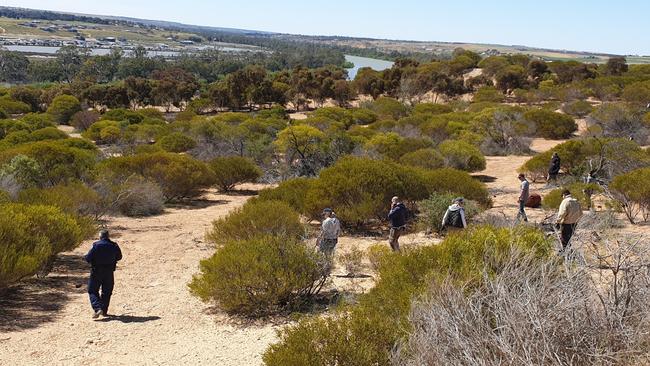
(330, 231)
(568, 216)
(523, 197)
(454, 218)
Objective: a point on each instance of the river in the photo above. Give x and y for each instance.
(360, 62)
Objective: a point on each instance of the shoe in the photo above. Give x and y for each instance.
(98, 313)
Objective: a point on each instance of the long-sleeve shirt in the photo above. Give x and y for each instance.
(104, 254)
(397, 215)
(570, 211)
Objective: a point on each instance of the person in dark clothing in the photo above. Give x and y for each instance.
(103, 257)
(554, 168)
(397, 217)
(454, 218)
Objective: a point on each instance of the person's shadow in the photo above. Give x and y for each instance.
(128, 318)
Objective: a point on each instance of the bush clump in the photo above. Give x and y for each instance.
(179, 176)
(462, 155)
(177, 142)
(63, 107)
(292, 192)
(232, 170)
(551, 125)
(257, 218)
(374, 326)
(424, 158)
(31, 235)
(138, 197)
(260, 275)
(632, 191)
(580, 191)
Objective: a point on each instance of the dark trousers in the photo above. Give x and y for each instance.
(100, 279)
(522, 211)
(566, 234)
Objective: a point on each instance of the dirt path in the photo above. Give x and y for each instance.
(157, 320)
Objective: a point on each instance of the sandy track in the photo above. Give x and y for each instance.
(158, 321)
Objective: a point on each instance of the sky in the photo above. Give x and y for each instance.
(618, 27)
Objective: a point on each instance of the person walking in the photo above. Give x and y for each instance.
(567, 217)
(397, 217)
(554, 168)
(454, 218)
(524, 192)
(330, 231)
(103, 258)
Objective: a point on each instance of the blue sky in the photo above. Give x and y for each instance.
(621, 27)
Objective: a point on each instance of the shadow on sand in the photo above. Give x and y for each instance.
(128, 318)
(36, 301)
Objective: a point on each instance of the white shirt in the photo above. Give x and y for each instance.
(331, 228)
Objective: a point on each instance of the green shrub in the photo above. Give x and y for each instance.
(13, 106)
(578, 108)
(388, 108)
(59, 163)
(30, 236)
(433, 209)
(431, 108)
(633, 193)
(365, 334)
(177, 142)
(361, 189)
(551, 125)
(257, 218)
(179, 176)
(232, 170)
(4, 197)
(259, 276)
(424, 158)
(363, 116)
(47, 133)
(488, 94)
(24, 170)
(63, 107)
(291, 192)
(462, 155)
(36, 121)
(580, 191)
(3, 114)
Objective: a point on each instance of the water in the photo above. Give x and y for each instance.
(51, 50)
(360, 62)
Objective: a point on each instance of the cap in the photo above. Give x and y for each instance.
(459, 199)
(327, 210)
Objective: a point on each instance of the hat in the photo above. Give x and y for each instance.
(327, 210)
(459, 200)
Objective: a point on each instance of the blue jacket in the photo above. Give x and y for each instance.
(397, 215)
(104, 255)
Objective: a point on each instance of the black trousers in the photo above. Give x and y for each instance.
(566, 234)
(100, 279)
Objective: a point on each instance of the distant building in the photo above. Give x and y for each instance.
(109, 39)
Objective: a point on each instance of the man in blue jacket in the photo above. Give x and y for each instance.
(103, 258)
(397, 218)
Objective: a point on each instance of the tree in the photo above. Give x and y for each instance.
(28, 95)
(369, 82)
(139, 91)
(303, 146)
(173, 87)
(616, 66)
(71, 58)
(13, 67)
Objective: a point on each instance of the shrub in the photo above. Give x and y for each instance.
(82, 120)
(63, 107)
(13, 106)
(488, 94)
(424, 158)
(388, 108)
(179, 176)
(430, 108)
(462, 155)
(633, 192)
(30, 236)
(363, 116)
(233, 170)
(352, 261)
(374, 326)
(377, 254)
(121, 114)
(491, 323)
(257, 218)
(177, 142)
(459, 183)
(578, 108)
(25, 171)
(47, 133)
(259, 276)
(74, 198)
(433, 209)
(3, 114)
(138, 197)
(551, 125)
(580, 191)
(59, 163)
(291, 192)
